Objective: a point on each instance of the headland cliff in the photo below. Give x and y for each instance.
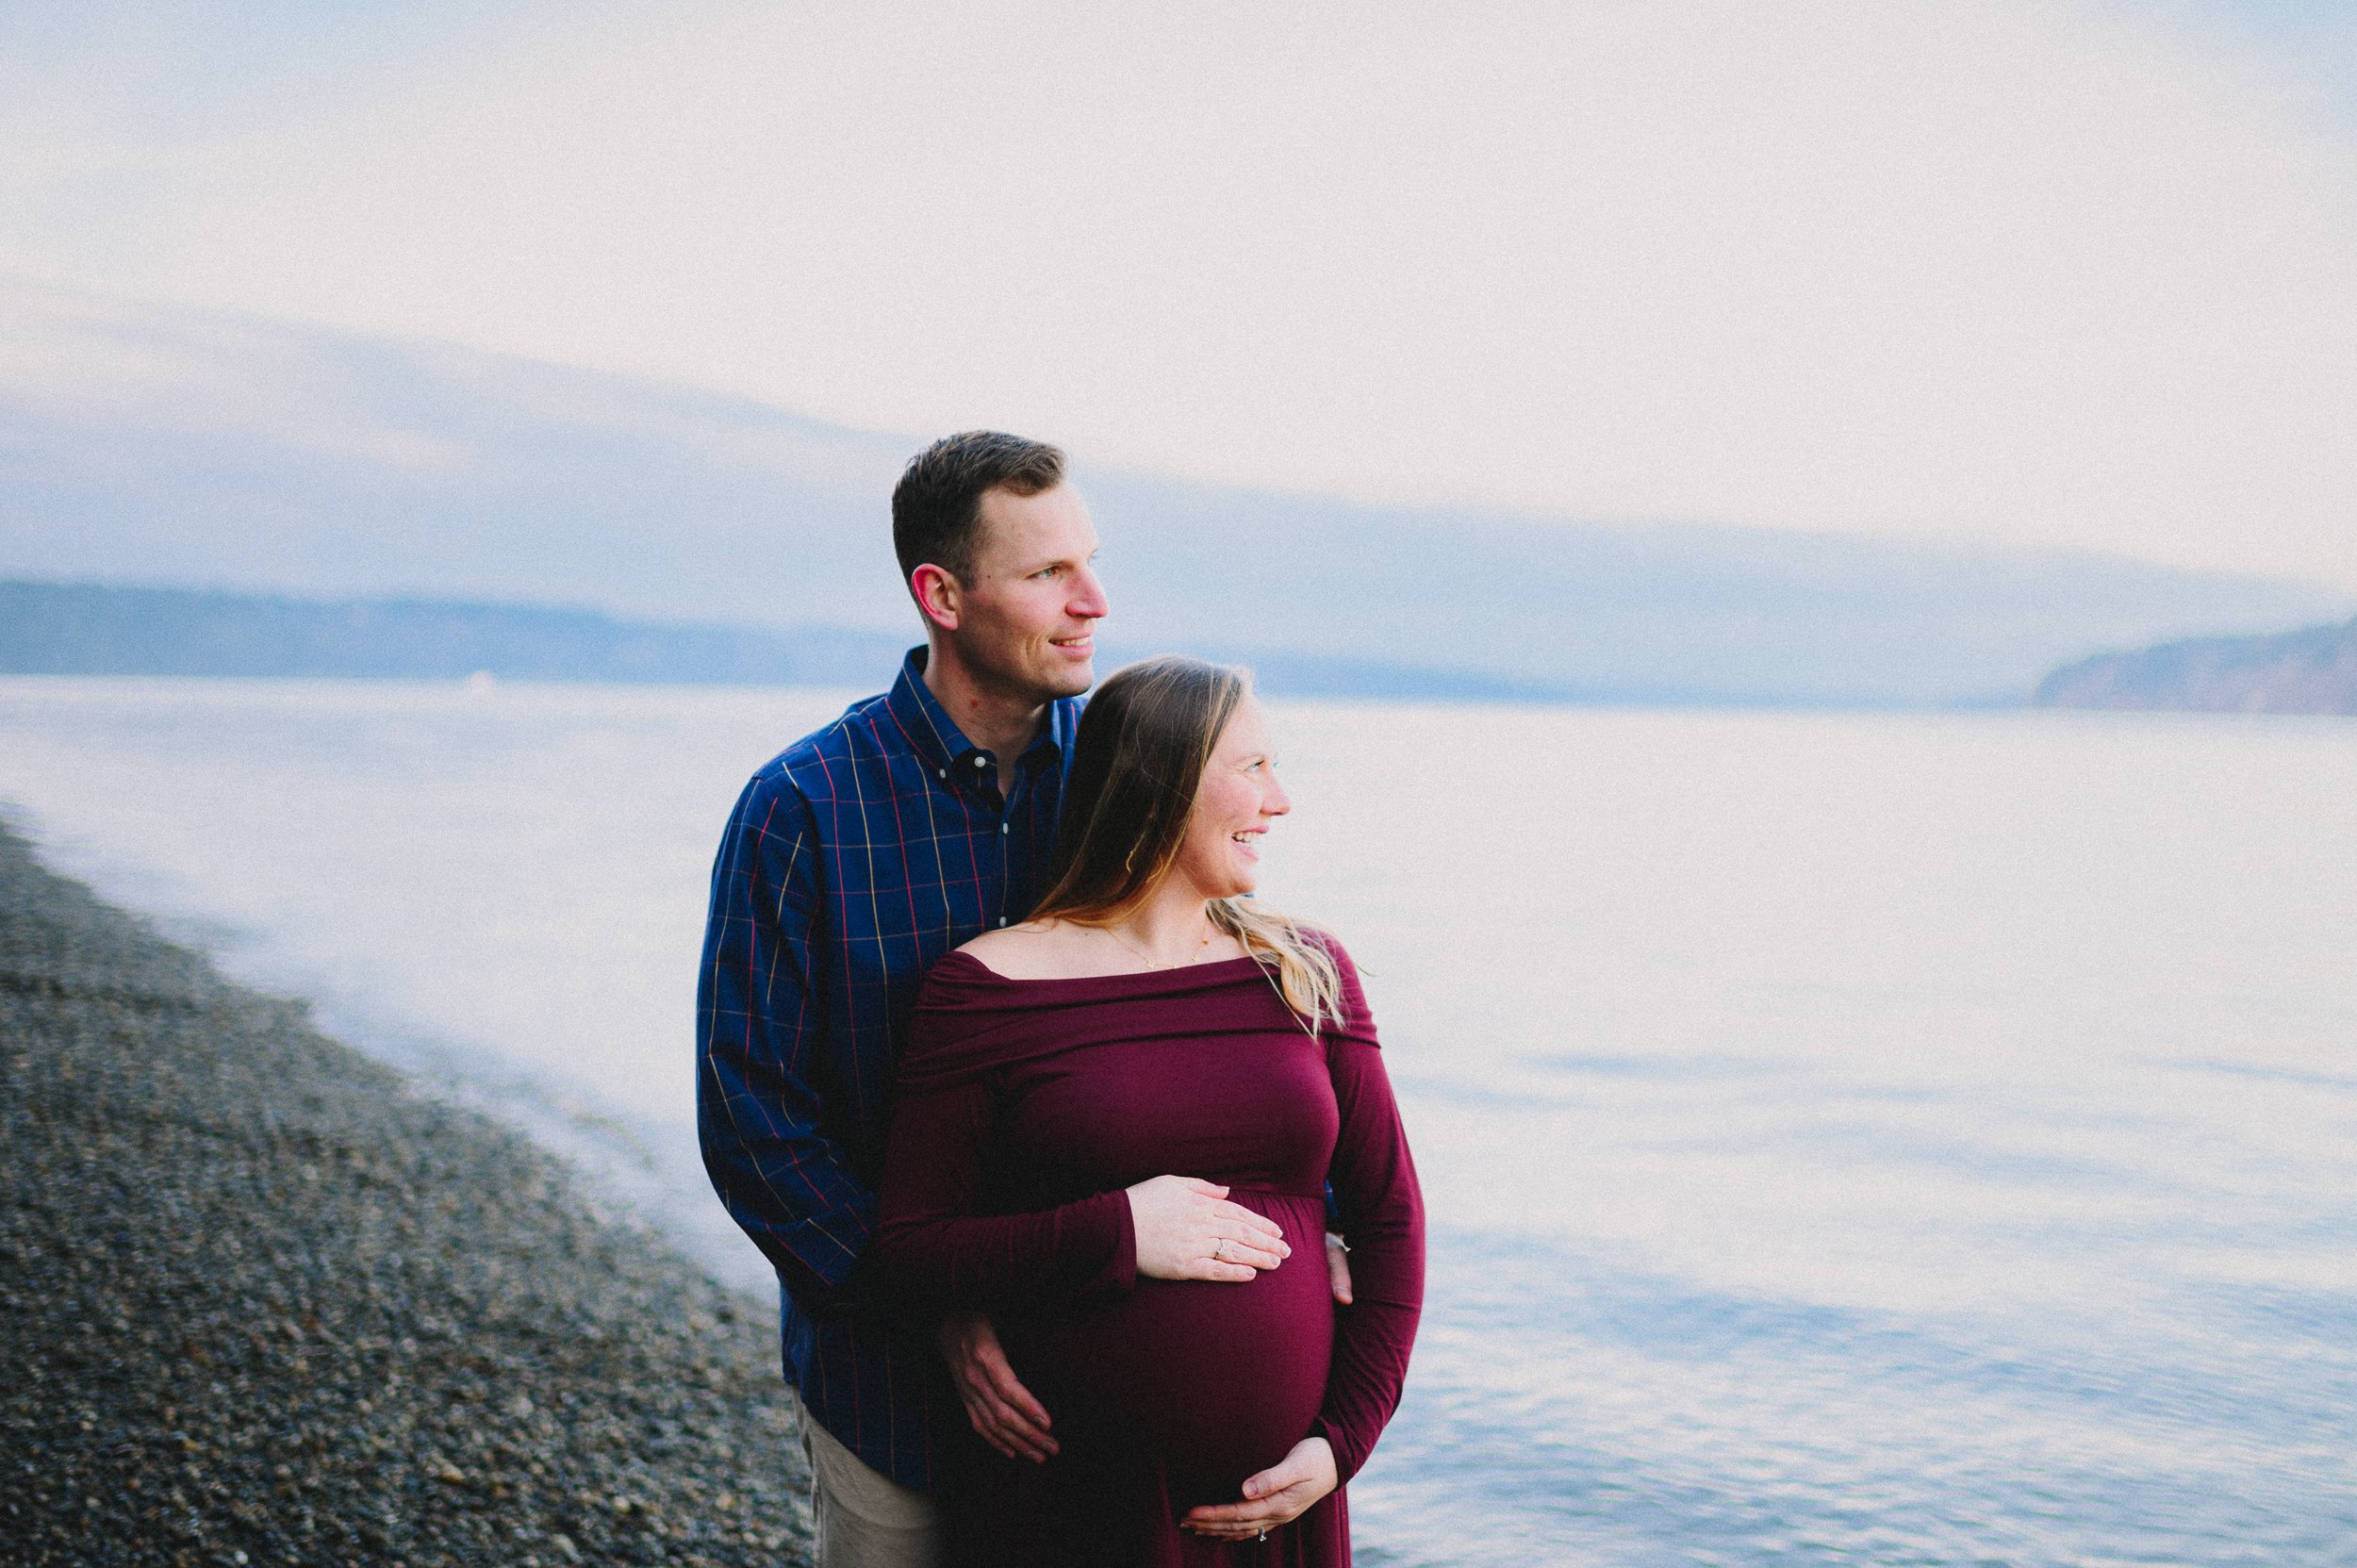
(2311, 670)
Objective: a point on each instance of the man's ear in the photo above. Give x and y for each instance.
(937, 594)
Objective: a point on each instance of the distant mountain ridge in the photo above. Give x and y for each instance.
(2311, 670)
(147, 445)
(97, 629)
(104, 629)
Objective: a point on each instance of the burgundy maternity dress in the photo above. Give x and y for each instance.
(1024, 1107)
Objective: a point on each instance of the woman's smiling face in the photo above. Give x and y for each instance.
(1234, 805)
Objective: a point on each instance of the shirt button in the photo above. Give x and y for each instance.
(941, 772)
(1002, 919)
(981, 762)
(1002, 827)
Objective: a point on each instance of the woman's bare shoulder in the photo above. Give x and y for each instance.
(1050, 950)
(1018, 952)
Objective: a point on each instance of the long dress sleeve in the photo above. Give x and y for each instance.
(939, 1246)
(1381, 1210)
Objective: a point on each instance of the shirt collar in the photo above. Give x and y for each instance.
(938, 741)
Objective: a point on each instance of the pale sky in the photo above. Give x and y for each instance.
(2043, 272)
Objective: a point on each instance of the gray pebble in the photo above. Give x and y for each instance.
(261, 1304)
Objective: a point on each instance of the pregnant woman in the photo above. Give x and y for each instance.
(1116, 1130)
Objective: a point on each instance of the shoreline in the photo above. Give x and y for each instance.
(261, 1302)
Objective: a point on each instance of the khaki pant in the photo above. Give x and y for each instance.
(865, 1519)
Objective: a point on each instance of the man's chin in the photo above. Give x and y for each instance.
(1070, 679)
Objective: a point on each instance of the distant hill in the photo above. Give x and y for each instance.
(2312, 671)
(93, 629)
(101, 629)
(147, 445)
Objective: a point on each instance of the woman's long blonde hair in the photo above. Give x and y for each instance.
(1137, 764)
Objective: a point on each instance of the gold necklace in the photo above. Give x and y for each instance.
(1147, 959)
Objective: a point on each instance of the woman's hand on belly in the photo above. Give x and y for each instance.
(1276, 1496)
(1187, 1230)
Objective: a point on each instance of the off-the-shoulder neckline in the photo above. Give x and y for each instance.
(990, 973)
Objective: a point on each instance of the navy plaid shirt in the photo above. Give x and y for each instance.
(853, 861)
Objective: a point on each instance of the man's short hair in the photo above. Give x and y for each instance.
(937, 505)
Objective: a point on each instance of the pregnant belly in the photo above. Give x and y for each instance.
(1213, 1381)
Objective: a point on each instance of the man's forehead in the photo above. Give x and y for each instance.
(1050, 525)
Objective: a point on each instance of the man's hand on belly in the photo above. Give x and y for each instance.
(1001, 1409)
(1276, 1496)
(1338, 1268)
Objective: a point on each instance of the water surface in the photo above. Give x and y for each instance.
(1888, 1139)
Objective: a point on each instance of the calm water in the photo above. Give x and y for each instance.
(1849, 1139)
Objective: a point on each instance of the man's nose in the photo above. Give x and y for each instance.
(1088, 602)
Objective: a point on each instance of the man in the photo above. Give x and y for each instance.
(852, 862)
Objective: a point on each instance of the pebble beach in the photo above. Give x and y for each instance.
(262, 1302)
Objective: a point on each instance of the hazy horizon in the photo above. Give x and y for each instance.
(235, 452)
